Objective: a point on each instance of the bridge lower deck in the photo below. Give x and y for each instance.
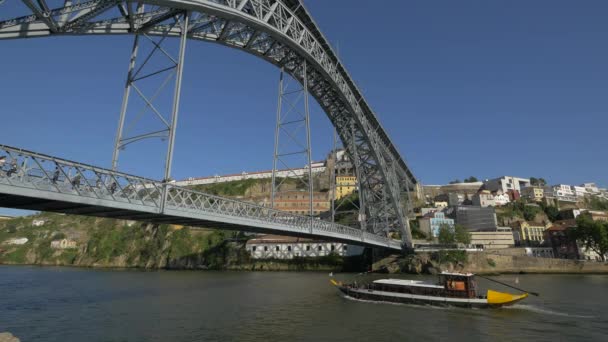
(63, 207)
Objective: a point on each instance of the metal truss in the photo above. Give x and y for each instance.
(161, 76)
(343, 167)
(292, 135)
(30, 180)
(281, 32)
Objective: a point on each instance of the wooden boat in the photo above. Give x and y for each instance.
(453, 289)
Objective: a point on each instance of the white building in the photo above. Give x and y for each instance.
(506, 183)
(63, 244)
(502, 237)
(16, 241)
(539, 252)
(38, 223)
(501, 199)
(561, 192)
(484, 199)
(587, 254)
(579, 191)
(285, 247)
(591, 188)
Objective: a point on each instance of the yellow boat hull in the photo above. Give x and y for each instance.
(501, 298)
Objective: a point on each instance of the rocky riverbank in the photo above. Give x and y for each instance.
(8, 337)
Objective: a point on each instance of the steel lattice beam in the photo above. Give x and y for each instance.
(281, 32)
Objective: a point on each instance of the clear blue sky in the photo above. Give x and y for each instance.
(483, 88)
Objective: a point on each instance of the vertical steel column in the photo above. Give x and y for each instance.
(175, 109)
(407, 234)
(290, 120)
(276, 140)
(176, 96)
(332, 178)
(307, 118)
(355, 163)
(125, 102)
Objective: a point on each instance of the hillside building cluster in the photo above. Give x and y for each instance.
(474, 206)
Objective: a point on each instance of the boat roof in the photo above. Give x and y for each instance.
(458, 274)
(407, 282)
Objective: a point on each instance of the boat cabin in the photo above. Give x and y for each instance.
(415, 287)
(459, 284)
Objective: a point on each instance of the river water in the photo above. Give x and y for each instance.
(77, 304)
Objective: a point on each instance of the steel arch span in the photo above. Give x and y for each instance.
(281, 32)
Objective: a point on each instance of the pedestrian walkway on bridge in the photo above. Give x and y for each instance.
(34, 181)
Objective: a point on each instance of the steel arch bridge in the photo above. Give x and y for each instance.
(281, 32)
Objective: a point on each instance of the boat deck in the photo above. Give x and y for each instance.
(405, 282)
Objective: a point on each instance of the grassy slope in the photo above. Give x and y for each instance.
(103, 242)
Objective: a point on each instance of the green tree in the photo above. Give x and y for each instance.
(461, 234)
(537, 181)
(530, 212)
(11, 228)
(416, 232)
(446, 234)
(593, 234)
(552, 212)
(59, 236)
(596, 203)
(455, 181)
(471, 179)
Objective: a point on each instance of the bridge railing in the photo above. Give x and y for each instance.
(187, 199)
(32, 170)
(35, 171)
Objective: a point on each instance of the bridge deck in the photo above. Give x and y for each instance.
(34, 181)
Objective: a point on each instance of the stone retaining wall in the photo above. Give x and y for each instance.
(488, 262)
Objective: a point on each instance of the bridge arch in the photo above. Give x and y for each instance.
(281, 32)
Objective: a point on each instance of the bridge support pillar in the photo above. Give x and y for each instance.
(292, 142)
(149, 77)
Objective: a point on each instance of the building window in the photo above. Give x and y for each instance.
(253, 248)
(333, 247)
(277, 248)
(320, 248)
(307, 247)
(289, 248)
(344, 247)
(265, 248)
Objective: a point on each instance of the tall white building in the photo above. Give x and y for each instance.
(506, 183)
(579, 191)
(561, 192)
(591, 188)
